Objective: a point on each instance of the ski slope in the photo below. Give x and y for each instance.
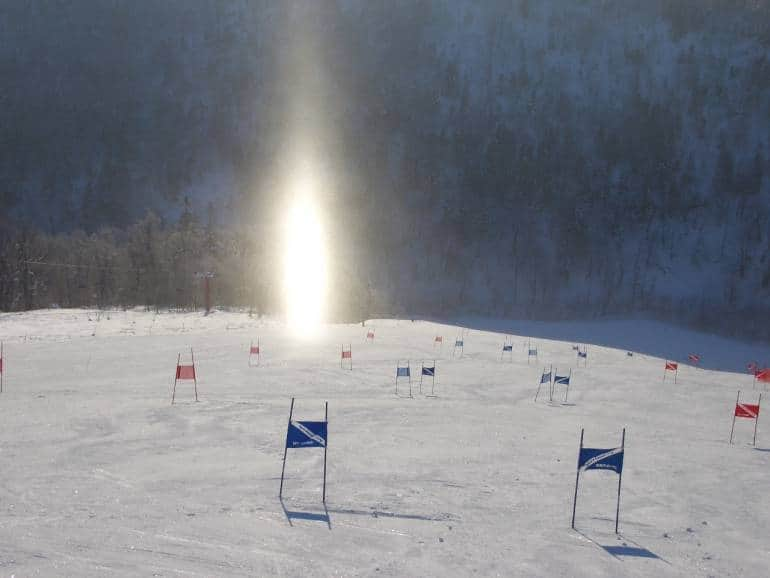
(101, 476)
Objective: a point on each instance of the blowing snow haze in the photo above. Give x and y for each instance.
(519, 159)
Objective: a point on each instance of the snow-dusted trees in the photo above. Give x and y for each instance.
(501, 157)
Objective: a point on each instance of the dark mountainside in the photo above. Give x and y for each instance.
(551, 159)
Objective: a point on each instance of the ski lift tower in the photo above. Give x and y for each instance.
(207, 276)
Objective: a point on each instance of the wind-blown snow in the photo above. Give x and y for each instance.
(102, 476)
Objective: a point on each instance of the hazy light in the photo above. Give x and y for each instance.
(304, 262)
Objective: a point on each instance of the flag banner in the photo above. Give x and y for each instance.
(532, 352)
(439, 339)
(561, 379)
(347, 354)
(370, 335)
(429, 371)
(583, 354)
(459, 343)
(748, 410)
(508, 348)
(694, 357)
(185, 372)
(254, 350)
(546, 378)
(402, 372)
(671, 366)
(601, 459)
(763, 375)
(306, 434)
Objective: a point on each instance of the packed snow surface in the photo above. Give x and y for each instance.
(102, 476)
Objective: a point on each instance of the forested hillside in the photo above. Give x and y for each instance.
(506, 157)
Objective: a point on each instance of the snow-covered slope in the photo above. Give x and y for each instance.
(102, 476)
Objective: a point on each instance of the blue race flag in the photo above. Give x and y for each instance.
(583, 354)
(507, 347)
(561, 379)
(601, 459)
(402, 372)
(546, 378)
(306, 434)
(429, 371)
(533, 352)
(459, 343)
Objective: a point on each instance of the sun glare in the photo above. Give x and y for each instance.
(304, 265)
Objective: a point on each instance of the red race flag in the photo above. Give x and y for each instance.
(185, 372)
(347, 354)
(370, 335)
(694, 357)
(439, 339)
(254, 350)
(671, 366)
(748, 410)
(763, 375)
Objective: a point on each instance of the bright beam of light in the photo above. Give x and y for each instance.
(304, 265)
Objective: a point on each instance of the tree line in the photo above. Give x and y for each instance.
(510, 158)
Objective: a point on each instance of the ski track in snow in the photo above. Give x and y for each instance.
(102, 476)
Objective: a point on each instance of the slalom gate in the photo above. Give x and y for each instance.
(561, 380)
(185, 372)
(748, 411)
(254, 351)
(545, 378)
(347, 354)
(610, 459)
(429, 371)
(507, 348)
(671, 366)
(403, 371)
(306, 434)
